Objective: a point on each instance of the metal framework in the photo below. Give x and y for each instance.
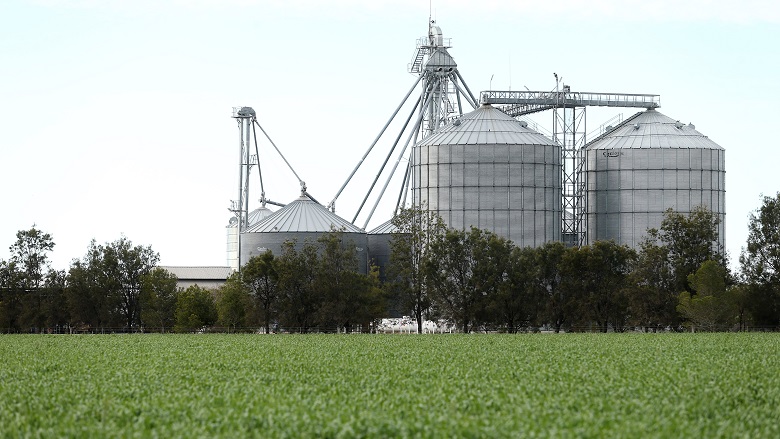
(247, 120)
(569, 128)
(441, 100)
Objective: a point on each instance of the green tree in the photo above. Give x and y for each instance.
(259, 274)
(689, 241)
(341, 285)
(89, 304)
(548, 259)
(595, 276)
(105, 286)
(158, 299)
(708, 308)
(55, 305)
(28, 285)
(300, 296)
(233, 302)
(465, 269)
(416, 229)
(652, 295)
(10, 297)
(760, 262)
(515, 303)
(195, 309)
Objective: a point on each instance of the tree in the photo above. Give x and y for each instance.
(416, 229)
(450, 273)
(89, 303)
(465, 270)
(652, 295)
(261, 277)
(595, 276)
(300, 297)
(105, 286)
(760, 262)
(341, 286)
(195, 309)
(158, 299)
(689, 241)
(709, 307)
(27, 283)
(233, 301)
(515, 303)
(548, 259)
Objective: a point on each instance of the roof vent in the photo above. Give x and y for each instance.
(608, 128)
(691, 126)
(524, 124)
(456, 122)
(636, 126)
(679, 125)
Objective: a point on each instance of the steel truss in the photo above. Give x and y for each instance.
(443, 91)
(569, 132)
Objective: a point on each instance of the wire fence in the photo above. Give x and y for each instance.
(376, 329)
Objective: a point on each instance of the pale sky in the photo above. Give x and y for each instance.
(115, 115)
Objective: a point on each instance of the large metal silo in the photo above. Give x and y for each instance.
(644, 166)
(303, 220)
(488, 170)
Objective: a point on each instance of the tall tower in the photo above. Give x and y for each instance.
(442, 84)
(245, 117)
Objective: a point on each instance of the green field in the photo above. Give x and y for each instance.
(534, 385)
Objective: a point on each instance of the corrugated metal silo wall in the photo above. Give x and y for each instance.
(628, 190)
(512, 190)
(379, 252)
(254, 244)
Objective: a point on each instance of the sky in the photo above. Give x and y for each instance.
(115, 116)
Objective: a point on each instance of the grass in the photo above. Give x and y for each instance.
(531, 385)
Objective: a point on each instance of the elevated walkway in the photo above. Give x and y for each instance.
(518, 103)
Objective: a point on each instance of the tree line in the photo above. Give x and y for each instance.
(678, 278)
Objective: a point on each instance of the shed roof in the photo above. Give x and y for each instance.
(199, 273)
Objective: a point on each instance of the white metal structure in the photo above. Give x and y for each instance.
(569, 128)
(440, 101)
(243, 218)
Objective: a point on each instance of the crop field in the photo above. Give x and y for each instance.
(531, 385)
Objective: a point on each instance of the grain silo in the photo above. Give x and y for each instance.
(643, 167)
(488, 170)
(254, 217)
(379, 249)
(303, 220)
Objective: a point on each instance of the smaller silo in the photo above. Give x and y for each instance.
(255, 217)
(379, 249)
(303, 220)
(644, 166)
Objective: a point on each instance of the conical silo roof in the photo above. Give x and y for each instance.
(486, 125)
(259, 214)
(385, 228)
(649, 130)
(303, 215)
